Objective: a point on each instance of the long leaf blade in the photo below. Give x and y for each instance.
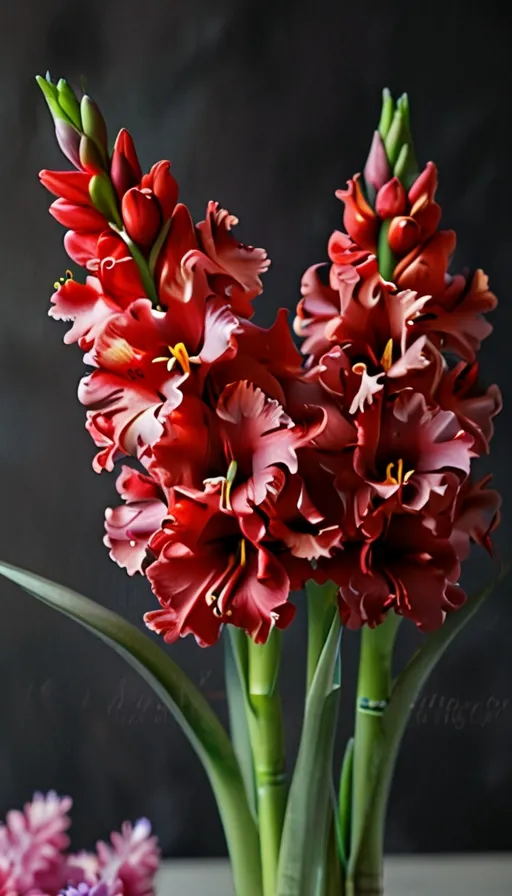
(185, 702)
(305, 832)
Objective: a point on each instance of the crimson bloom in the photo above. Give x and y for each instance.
(208, 573)
(257, 471)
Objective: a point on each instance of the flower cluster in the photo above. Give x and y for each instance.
(391, 338)
(33, 858)
(215, 515)
(255, 473)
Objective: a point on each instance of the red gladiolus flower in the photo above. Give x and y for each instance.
(256, 471)
(406, 569)
(208, 573)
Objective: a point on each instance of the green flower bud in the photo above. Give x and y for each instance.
(406, 168)
(104, 198)
(395, 137)
(94, 124)
(386, 116)
(52, 98)
(69, 103)
(90, 156)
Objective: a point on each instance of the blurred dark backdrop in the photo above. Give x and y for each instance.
(267, 106)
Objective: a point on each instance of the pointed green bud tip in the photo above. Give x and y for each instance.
(406, 168)
(69, 103)
(94, 124)
(403, 105)
(51, 96)
(388, 110)
(396, 137)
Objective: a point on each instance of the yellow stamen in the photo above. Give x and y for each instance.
(60, 282)
(399, 479)
(180, 353)
(390, 480)
(243, 554)
(387, 355)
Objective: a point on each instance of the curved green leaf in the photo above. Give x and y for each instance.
(306, 826)
(184, 700)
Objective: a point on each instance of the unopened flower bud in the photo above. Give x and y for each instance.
(93, 124)
(125, 170)
(69, 103)
(386, 115)
(403, 235)
(141, 216)
(377, 170)
(68, 139)
(162, 184)
(104, 198)
(391, 199)
(90, 157)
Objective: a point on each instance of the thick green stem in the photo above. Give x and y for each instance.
(267, 740)
(373, 692)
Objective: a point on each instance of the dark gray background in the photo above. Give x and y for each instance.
(268, 107)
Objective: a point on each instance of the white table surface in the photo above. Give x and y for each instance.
(465, 875)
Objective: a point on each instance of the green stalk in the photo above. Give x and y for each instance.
(145, 273)
(404, 695)
(373, 693)
(267, 739)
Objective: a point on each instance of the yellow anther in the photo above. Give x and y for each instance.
(399, 479)
(243, 554)
(180, 353)
(387, 355)
(390, 479)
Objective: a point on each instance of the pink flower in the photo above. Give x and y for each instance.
(132, 858)
(31, 842)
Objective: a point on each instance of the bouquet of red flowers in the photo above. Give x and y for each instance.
(251, 470)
